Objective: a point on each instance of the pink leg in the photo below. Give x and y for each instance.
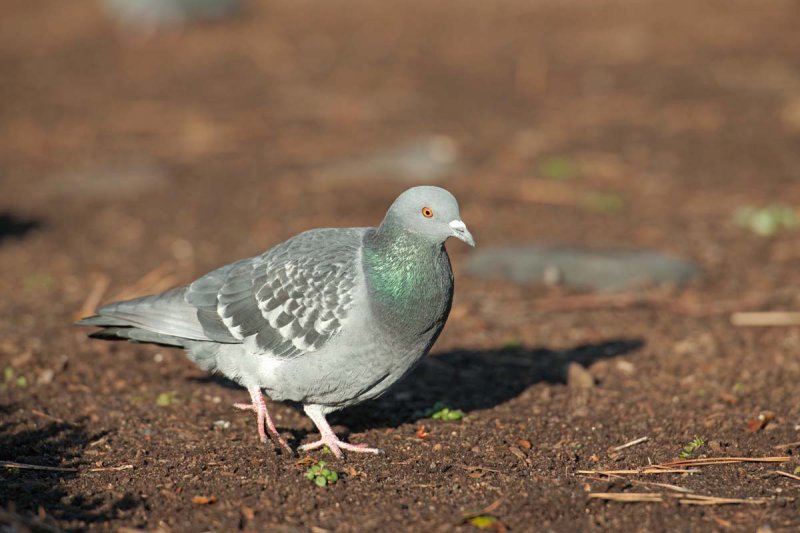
(328, 437)
(262, 415)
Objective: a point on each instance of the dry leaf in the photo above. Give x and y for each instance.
(247, 513)
(204, 500)
(486, 521)
(760, 422)
(305, 461)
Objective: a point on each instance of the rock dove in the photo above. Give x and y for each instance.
(166, 13)
(329, 318)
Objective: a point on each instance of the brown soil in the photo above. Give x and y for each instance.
(209, 136)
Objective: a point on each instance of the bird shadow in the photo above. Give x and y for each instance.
(462, 379)
(12, 226)
(38, 500)
(474, 379)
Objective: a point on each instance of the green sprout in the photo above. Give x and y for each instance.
(166, 398)
(512, 344)
(692, 447)
(40, 281)
(557, 168)
(8, 377)
(441, 412)
(320, 475)
(768, 220)
(603, 202)
(485, 521)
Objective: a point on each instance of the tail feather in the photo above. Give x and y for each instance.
(102, 321)
(165, 314)
(137, 335)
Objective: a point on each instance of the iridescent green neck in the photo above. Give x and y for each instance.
(409, 277)
(395, 264)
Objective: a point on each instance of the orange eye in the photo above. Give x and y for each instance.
(427, 212)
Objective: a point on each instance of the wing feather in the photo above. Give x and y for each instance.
(286, 302)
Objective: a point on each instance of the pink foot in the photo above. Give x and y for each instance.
(328, 437)
(336, 446)
(260, 408)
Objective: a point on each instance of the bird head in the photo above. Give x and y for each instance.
(429, 211)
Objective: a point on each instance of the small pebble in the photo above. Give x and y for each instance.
(222, 424)
(578, 377)
(626, 367)
(46, 376)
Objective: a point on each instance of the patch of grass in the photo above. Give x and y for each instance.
(440, 411)
(320, 475)
(557, 168)
(694, 444)
(9, 379)
(512, 345)
(603, 202)
(483, 521)
(166, 399)
(40, 281)
(768, 220)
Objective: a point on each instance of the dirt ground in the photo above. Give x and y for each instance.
(129, 165)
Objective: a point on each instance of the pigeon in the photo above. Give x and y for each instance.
(149, 16)
(327, 319)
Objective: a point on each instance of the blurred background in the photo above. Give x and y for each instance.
(629, 169)
(204, 130)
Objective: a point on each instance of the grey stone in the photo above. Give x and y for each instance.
(108, 181)
(427, 159)
(150, 15)
(608, 269)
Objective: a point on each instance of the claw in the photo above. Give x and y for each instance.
(328, 437)
(260, 408)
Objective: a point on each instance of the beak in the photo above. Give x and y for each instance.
(461, 232)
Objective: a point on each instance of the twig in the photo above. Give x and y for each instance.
(726, 460)
(655, 497)
(765, 319)
(682, 467)
(787, 474)
(631, 443)
(25, 466)
(158, 279)
(628, 497)
(646, 471)
(489, 509)
(94, 297)
(676, 488)
(45, 415)
(787, 446)
(697, 499)
(111, 468)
